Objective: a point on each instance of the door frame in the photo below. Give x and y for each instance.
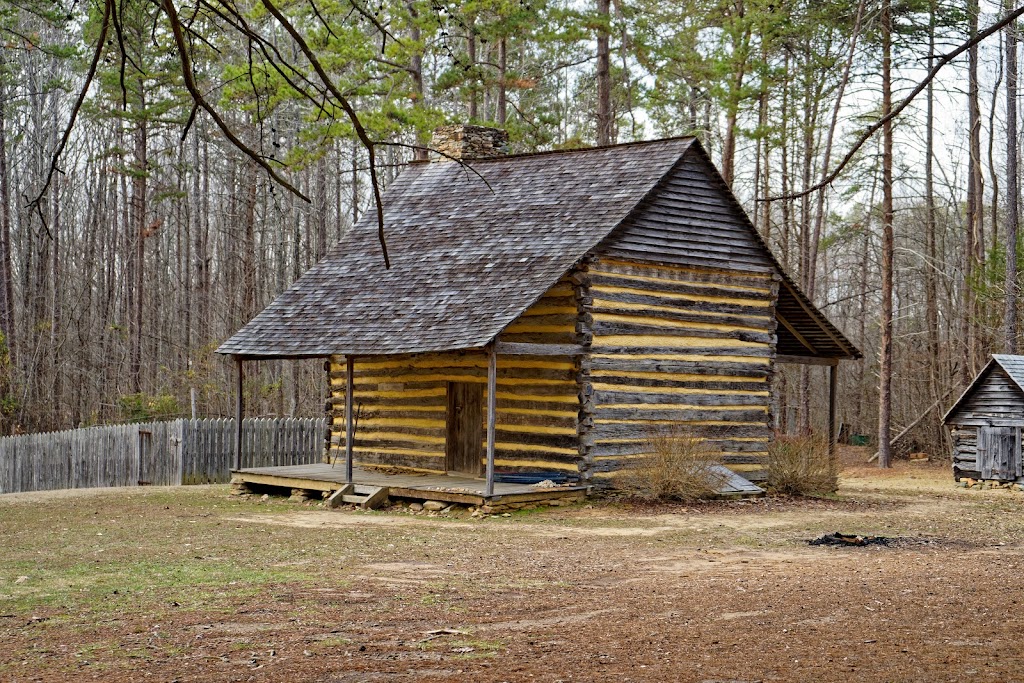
(465, 417)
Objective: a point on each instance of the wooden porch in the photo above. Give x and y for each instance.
(412, 486)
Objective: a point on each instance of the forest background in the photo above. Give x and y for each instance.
(154, 236)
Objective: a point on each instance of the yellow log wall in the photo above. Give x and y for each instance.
(402, 420)
(679, 347)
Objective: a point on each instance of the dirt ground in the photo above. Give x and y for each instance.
(191, 584)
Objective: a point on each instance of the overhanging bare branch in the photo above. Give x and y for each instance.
(875, 127)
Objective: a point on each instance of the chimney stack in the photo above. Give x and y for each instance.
(465, 142)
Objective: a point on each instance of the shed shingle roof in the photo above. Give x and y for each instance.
(1011, 364)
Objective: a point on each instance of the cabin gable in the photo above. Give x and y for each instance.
(682, 299)
(691, 219)
(985, 424)
(996, 395)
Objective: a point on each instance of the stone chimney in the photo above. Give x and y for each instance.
(468, 142)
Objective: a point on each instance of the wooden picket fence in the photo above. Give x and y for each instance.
(158, 453)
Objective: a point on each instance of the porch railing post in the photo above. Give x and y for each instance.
(349, 436)
(492, 404)
(833, 383)
(239, 411)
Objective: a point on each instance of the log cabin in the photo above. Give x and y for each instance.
(548, 312)
(985, 423)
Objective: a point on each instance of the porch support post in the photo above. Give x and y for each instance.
(239, 411)
(833, 382)
(492, 406)
(349, 436)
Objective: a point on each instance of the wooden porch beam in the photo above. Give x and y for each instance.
(815, 316)
(492, 409)
(833, 385)
(806, 360)
(793, 331)
(349, 436)
(239, 411)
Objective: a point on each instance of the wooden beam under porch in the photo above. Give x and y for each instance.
(418, 487)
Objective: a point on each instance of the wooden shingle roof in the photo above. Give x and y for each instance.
(470, 251)
(1010, 367)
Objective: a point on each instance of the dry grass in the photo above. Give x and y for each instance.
(802, 466)
(678, 466)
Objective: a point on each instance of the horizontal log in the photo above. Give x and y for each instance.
(690, 305)
(681, 287)
(385, 444)
(752, 352)
(568, 337)
(506, 453)
(535, 439)
(369, 413)
(531, 404)
(641, 429)
(681, 415)
(670, 383)
(606, 397)
(693, 275)
(990, 422)
(369, 402)
(761, 322)
(602, 328)
(561, 422)
(601, 450)
(713, 447)
(722, 368)
(537, 349)
(396, 460)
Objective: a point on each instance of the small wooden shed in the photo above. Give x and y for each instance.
(549, 312)
(985, 423)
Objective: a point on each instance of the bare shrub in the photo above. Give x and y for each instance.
(677, 466)
(802, 466)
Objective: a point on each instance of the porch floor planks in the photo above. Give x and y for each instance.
(443, 487)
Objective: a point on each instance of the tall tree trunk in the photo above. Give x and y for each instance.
(604, 74)
(56, 323)
(502, 106)
(416, 68)
(1012, 190)
(6, 267)
(249, 247)
(931, 254)
(139, 226)
(784, 166)
(471, 55)
(975, 243)
(885, 341)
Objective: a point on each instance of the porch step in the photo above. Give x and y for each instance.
(365, 496)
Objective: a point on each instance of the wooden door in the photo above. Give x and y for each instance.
(465, 428)
(998, 452)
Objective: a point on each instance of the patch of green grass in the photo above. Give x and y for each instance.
(113, 587)
(334, 641)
